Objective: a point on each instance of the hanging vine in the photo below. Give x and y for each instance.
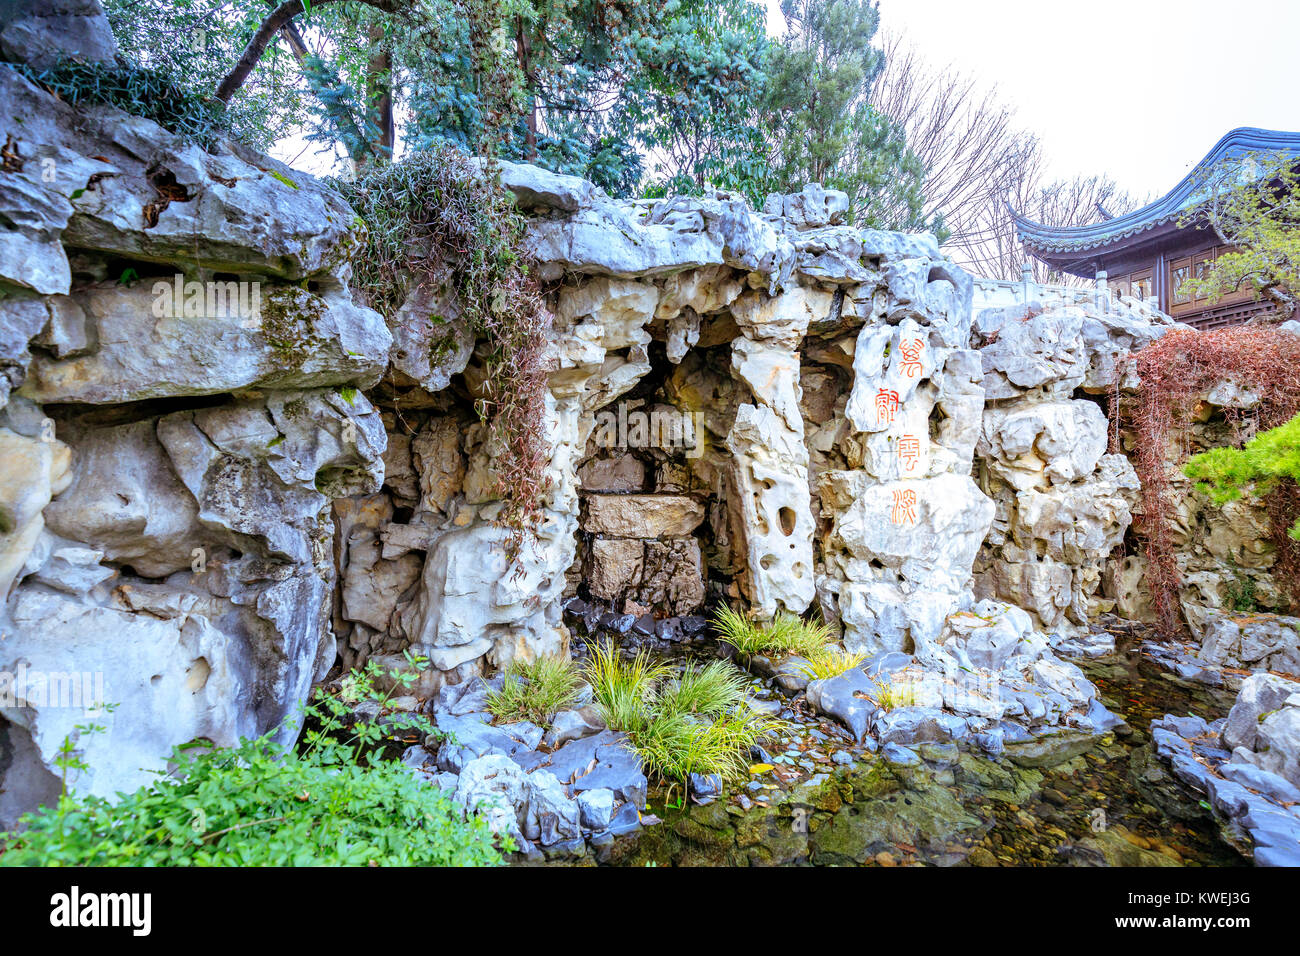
(443, 210)
(1176, 372)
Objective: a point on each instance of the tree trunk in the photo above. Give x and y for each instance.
(379, 96)
(523, 51)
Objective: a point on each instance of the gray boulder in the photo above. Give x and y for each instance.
(1260, 694)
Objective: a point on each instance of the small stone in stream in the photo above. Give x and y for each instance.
(884, 858)
(982, 857)
(626, 820)
(618, 624)
(991, 742)
(526, 732)
(705, 787)
(745, 802)
(758, 754)
(754, 786)
(786, 714)
(575, 608)
(573, 724)
(695, 624)
(1055, 796)
(842, 757)
(899, 755)
(644, 625)
(596, 808)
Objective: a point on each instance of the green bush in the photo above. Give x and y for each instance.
(334, 801)
(1272, 456)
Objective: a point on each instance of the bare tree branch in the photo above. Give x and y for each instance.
(272, 25)
(976, 160)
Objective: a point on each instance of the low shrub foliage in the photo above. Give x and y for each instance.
(333, 801)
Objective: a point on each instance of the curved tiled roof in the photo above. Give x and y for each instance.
(1238, 142)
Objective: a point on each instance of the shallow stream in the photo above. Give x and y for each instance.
(1103, 802)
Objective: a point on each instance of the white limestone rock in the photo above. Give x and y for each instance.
(299, 339)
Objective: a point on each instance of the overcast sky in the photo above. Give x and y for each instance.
(1137, 89)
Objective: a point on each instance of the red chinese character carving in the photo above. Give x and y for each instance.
(909, 451)
(911, 350)
(886, 405)
(904, 511)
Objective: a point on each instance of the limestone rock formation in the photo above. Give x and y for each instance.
(181, 364)
(1063, 503)
(214, 454)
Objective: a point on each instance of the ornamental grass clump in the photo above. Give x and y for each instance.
(535, 691)
(696, 722)
(826, 662)
(784, 635)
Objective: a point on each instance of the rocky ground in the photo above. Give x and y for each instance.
(920, 785)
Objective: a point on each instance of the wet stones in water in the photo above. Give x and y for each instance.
(705, 787)
(900, 756)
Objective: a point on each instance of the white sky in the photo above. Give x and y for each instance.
(1137, 89)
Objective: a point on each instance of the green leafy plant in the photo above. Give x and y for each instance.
(333, 801)
(535, 691)
(1270, 458)
(1241, 594)
(785, 634)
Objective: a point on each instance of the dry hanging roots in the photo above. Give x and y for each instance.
(1175, 373)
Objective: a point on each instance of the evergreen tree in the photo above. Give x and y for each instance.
(823, 126)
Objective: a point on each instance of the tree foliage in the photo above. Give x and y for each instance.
(823, 125)
(1252, 202)
(1270, 458)
(693, 106)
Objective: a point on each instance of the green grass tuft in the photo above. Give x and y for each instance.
(785, 634)
(830, 662)
(697, 722)
(535, 691)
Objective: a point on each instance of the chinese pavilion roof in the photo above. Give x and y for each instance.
(1129, 227)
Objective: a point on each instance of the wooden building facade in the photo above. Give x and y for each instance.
(1147, 254)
